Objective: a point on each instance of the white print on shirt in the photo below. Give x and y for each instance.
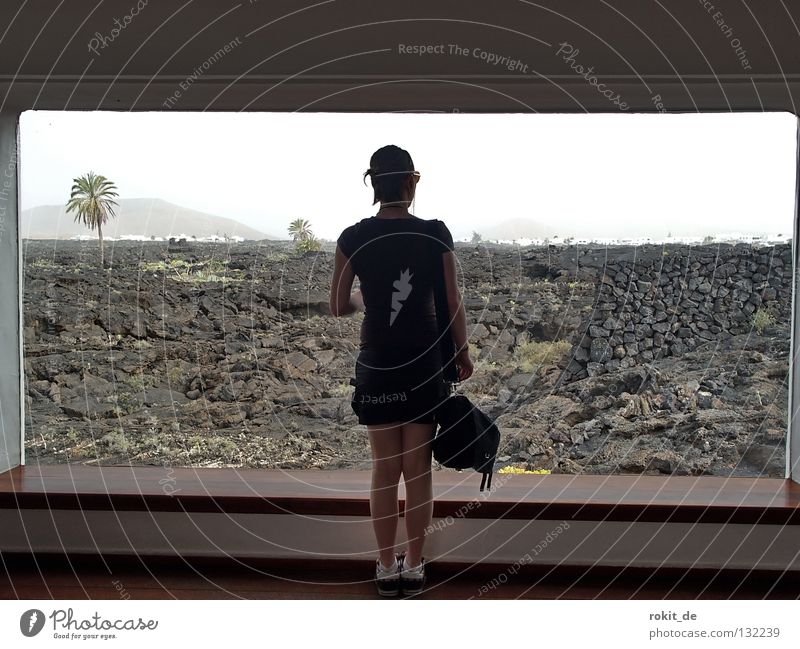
(402, 290)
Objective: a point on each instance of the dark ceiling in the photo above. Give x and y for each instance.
(359, 55)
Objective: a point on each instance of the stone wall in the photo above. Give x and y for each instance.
(653, 307)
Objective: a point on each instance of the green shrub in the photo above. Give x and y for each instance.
(340, 390)
(308, 244)
(175, 375)
(214, 446)
(528, 356)
(140, 381)
(115, 442)
(205, 276)
(276, 256)
(223, 447)
(124, 403)
(45, 263)
(485, 288)
(761, 320)
(153, 266)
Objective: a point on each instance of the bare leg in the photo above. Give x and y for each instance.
(417, 451)
(387, 456)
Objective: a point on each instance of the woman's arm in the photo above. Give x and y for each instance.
(342, 301)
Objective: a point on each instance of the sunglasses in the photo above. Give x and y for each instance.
(415, 174)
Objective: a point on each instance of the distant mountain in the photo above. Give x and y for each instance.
(135, 216)
(521, 228)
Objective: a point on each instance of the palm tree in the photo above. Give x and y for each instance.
(300, 229)
(92, 198)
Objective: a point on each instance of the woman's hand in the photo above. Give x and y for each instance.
(464, 365)
(357, 301)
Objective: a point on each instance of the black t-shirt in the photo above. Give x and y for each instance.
(395, 261)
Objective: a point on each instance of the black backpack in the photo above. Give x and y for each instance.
(465, 437)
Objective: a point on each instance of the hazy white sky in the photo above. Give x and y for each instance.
(587, 175)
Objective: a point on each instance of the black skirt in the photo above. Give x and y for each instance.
(398, 385)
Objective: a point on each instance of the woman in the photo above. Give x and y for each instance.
(396, 257)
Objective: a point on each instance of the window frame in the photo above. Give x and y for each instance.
(12, 450)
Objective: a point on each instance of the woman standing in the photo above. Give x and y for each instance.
(396, 257)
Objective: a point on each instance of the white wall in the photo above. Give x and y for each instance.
(504, 542)
(793, 441)
(10, 350)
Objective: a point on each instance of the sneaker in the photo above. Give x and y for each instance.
(387, 581)
(412, 581)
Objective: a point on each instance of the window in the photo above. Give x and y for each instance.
(627, 281)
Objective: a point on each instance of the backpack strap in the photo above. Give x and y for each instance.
(447, 346)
